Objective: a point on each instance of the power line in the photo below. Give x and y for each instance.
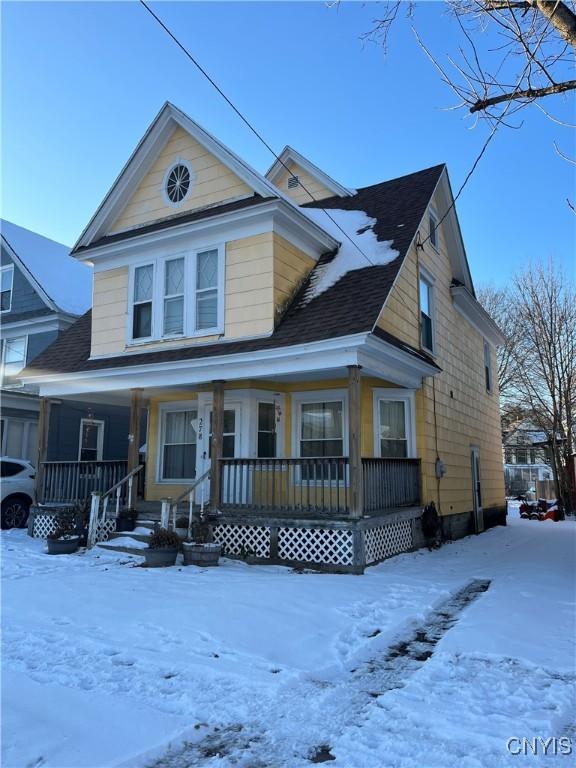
(248, 124)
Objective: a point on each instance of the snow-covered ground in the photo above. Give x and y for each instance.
(108, 664)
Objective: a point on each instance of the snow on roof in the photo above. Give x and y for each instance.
(67, 282)
(359, 228)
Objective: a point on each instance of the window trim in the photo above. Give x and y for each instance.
(177, 161)
(408, 397)
(426, 277)
(434, 216)
(190, 270)
(8, 268)
(100, 442)
(488, 375)
(12, 369)
(163, 408)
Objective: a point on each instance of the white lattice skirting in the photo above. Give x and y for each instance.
(332, 546)
(44, 525)
(387, 540)
(243, 539)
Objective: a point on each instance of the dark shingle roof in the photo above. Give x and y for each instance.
(351, 306)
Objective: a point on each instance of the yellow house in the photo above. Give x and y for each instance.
(312, 358)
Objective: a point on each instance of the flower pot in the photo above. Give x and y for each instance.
(160, 558)
(205, 555)
(182, 532)
(125, 523)
(63, 546)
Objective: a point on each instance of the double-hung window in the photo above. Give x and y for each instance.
(321, 435)
(178, 444)
(487, 367)
(173, 322)
(178, 295)
(426, 314)
(142, 306)
(6, 280)
(394, 420)
(14, 355)
(207, 290)
(266, 431)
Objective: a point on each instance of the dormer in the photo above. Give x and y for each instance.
(294, 175)
(191, 245)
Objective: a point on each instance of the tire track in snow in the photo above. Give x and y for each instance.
(251, 745)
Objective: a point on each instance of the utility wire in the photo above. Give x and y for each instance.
(248, 124)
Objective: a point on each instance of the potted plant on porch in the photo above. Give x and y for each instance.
(126, 520)
(202, 550)
(162, 548)
(181, 526)
(63, 541)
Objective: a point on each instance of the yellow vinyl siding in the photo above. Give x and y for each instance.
(249, 284)
(291, 266)
(214, 183)
(298, 194)
(466, 414)
(109, 303)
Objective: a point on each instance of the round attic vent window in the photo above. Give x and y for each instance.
(178, 183)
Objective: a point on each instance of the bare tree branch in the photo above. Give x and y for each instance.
(529, 93)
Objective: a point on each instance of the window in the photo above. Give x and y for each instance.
(392, 429)
(20, 439)
(266, 431)
(142, 308)
(10, 468)
(181, 295)
(178, 183)
(426, 314)
(14, 351)
(91, 440)
(487, 367)
(207, 290)
(6, 280)
(321, 429)
(178, 458)
(228, 435)
(174, 297)
(395, 431)
(433, 229)
(521, 455)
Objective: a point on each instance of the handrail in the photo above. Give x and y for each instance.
(171, 506)
(124, 479)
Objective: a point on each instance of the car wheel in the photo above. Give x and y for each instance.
(15, 511)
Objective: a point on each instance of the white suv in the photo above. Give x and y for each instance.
(17, 480)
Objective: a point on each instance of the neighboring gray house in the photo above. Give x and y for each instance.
(526, 458)
(43, 292)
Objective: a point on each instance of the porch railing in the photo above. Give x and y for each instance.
(72, 481)
(316, 485)
(390, 483)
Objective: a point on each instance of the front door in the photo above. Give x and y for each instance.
(230, 443)
(476, 490)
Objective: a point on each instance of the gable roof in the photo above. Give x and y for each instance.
(350, 306)
(142, 158)
(60, 281)
(289, 154)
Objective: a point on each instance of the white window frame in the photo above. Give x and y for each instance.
(190, 272)
(164, 193)
(9, 268)
(163, 408)
(164, 264)
(488, 367)
(408, 397)
(12, 369)
(434, 216)
(100, 442)
(133, 267)
(429, 279)
(319, 396)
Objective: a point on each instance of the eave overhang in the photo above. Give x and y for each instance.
(474, 312)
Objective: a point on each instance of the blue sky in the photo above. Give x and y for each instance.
(82, 81)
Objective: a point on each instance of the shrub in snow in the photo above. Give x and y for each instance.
(181, 522)
(62, 532)
(163, 539)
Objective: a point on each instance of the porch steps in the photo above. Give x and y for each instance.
(130, 542)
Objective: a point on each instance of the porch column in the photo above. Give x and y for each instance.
(134, 434)
(354, 437)
(43, 429)
(217, 442)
